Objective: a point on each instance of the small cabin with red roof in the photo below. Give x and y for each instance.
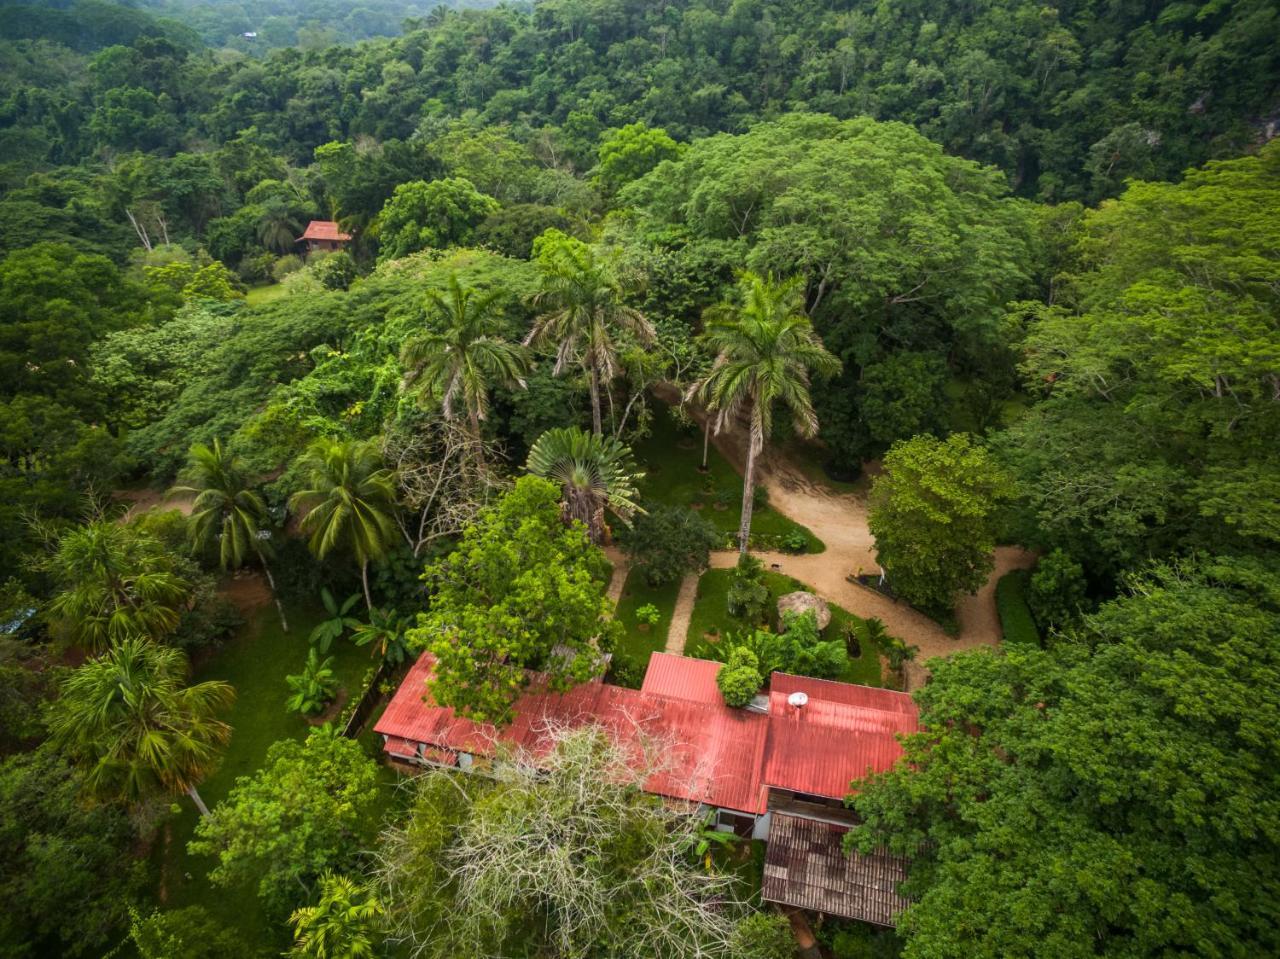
(776, 770)
(323, 236)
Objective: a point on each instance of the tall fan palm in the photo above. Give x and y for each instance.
(349, 502)
(765, 347)
(226, 509)
(585, 314)
(595, 472)
(137, 729)
(460, 363)
(116, 584)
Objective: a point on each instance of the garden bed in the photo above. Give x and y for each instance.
(639, 642)
(711, 623)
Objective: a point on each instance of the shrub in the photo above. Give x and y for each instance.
(626, 670)
(748, 596)
(1015, 616)
(314, 687)
(289, 263)
(739, 679)
(806, 652)
(334, 271)
(1056, 595)
(795, 542)
(668, 542)
(648, 614)
(722, 498)
(759, 497)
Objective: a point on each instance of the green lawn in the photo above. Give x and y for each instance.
(670, 458)
(711, 623)
(255, 662)
(265, 294)
(636, 592)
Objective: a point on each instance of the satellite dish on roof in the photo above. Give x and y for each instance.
(797, 699)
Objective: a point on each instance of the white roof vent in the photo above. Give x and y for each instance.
(797, 699)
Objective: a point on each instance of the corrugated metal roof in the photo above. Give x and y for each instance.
(324, 230)
(843, 733)
(682, 677)
(712, 754)
(717, 755)
(805, 866)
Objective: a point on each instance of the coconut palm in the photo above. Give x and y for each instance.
(594, 472)
(129, 719)
(765, 347)
(460, 363)
(116, 583)
(348, 502)
(585, 314)
(227, 510)
(342, 925)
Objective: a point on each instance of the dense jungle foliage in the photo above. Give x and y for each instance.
(1007, 273)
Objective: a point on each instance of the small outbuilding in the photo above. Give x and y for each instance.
(802, 602)
(323, 236)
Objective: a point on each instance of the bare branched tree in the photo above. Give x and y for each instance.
(445, 476)
(559, 848)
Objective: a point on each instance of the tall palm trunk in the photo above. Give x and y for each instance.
(364, 578)
(477, 437)
(597, 424)
(271, 581)
(706, 440)
(195, 798)
(748, 498)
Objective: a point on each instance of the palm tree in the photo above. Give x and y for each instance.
(130, 720)
(594, 472)
(278, 225)
(460, 364)
(765, 347)
(117, 584)
(349, 501)
(341, 925)
(585, 313)
(226, 509)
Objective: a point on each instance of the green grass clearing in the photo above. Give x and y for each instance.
(671, 457)
(259, 295)
(638, 643)
(711, 623)
(255, 662)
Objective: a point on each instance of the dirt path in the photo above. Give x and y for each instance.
(678, 631)
(840, 521)
(621, 566)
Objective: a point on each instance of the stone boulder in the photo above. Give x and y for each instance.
(802, 602)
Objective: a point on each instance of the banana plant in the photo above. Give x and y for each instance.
(339, 620)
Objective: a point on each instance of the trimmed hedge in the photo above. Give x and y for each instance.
(1015, 615)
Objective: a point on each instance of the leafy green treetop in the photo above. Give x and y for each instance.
(932, 514)
(431, 215)
(1116, 794)
(305, 811)
(521, 583)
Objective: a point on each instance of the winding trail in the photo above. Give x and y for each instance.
(840, 521)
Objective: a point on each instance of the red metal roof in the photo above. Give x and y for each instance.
(713, 754)
(842, 733)
(682, 677)
(324, 230)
